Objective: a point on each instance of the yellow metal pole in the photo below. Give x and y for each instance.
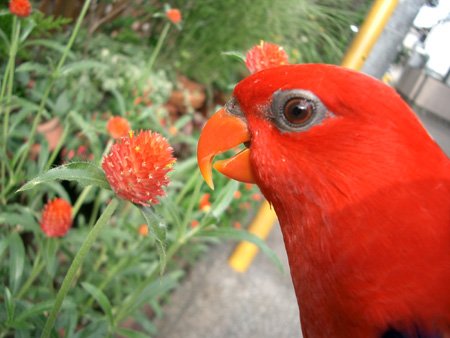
(261, 225)
(369, 32)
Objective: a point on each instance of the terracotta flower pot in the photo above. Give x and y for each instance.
(52, 130)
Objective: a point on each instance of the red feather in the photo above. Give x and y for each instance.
(363, 200)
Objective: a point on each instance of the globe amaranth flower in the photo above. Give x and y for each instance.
(20, 8)
(174, 15)
(56, 218)
(137, 167)
(265, 55)
(118, 127)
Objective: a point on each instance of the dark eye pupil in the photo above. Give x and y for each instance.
(298, 111)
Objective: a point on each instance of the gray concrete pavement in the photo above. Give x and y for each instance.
(214, 301)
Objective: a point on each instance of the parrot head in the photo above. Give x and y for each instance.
(313, 124)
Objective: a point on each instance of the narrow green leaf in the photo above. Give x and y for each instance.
(80, 66)
(9, 304)
(131, 333)
(120, 101)
(242, 235)
(16, 261)
(27, 30)
(181, 122)
(101, 299)
(158, 229)
(89, 131)
(21, 217)
(4, 242)
(4, 38)
(21, 325)
(44, 153)
(35, 309)
(30, 66)
(235, 54)
(50, 247)
(82, 172)
(225, 198)
(50, 44)
(62, 104)
(173, 211)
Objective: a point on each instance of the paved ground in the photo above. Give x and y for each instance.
(216, 302)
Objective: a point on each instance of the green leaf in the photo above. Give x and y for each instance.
(30, 66)
(44, 153)
(242, 235)
(131, 333)
(82, 172)
(173, 211)
(80, 66)
(27, 30)
(50, 44)
(9, 304)
(16, 261)
(50, 247)
(21, 217)
(35, 309)
(235, 54)
(225, 198)
(181, 122)
(4, 242)
(120, 101)
(21, 325)
(62, 104)
(158, 229)
(4, 37)
(89, 132)
(101, 299)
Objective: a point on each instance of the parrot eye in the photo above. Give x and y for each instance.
(296, 110)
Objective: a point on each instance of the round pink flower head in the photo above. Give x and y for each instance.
(117, 127)
(137, 167)
(265, 55)
(21, 8)
(56, 218)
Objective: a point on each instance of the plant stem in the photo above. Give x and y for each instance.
(193, 199)
(80, 200)
(158, 46)
(173, 249)
(50, 85)
(8, 81)
(76, 264)
(37, 268)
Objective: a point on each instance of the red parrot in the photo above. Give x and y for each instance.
(361, 191)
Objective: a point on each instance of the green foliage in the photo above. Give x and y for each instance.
(310, 31)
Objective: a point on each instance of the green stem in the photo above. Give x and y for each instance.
(173, 249)
(157, 49)
(37, 268)
(50, 85)
(8, 81)
(80, 200)
(76, 264)
(193, 200)
(112, 272)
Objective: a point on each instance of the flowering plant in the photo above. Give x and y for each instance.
(71, 212)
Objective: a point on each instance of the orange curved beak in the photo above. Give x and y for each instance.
(223, 132)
